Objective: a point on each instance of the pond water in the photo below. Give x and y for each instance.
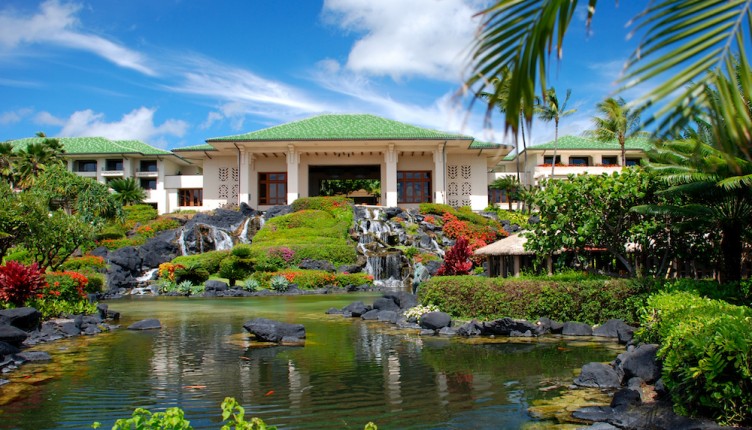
(349, 372)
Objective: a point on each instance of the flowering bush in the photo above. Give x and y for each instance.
(167, 270)
(19, 283)
(66, 286)
(416, 312)
(84, 262)
(283, 252)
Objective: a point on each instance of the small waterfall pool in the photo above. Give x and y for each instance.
(348, 373)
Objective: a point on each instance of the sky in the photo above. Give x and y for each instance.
(174, 73)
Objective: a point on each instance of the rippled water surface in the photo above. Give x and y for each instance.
(349, 372)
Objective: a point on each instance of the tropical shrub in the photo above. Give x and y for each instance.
(207, 260)
(328, 204)
(86, 262)
(164, 224)
(416, 312)
(457, 259)
(251, 285)
(168, 270)
(706, 347)
(111, 232)
(234, 268)
(241, 250)
(96, 283)
(113, 244)
(589, 301)
(18, 282)
(310, 279)
(67, 286)
(139, 214)
(194, 274)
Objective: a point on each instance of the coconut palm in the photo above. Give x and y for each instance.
(127, 191)
(35, 158)
(617, 122)
(694, 41)
(551, 109)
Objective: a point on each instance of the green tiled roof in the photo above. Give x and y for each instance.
(342, 127)
(202, 147)
(94, 145)
(477, 144)
(578, 142)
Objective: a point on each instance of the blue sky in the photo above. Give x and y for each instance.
(176, 72)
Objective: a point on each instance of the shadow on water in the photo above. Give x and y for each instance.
(348, 373)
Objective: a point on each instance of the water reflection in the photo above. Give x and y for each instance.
(348, 373)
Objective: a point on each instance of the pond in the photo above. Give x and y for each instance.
(349, 372)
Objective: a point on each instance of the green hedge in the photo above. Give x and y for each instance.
(590, 301)
(706, 348)
(310, 279)
(208, 261)
(140, 213)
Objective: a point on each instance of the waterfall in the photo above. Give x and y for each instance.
(147, 276)
(181, 242)
(222, 240)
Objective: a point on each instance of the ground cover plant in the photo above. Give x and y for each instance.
(310, 279)
(317, 229)
(585, 300)
(706, 347)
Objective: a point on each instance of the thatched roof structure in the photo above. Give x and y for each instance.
(511, 245)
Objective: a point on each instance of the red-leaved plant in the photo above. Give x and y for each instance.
(18, 282)
(457, 259)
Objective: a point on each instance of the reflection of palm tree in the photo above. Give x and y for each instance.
(617, 122)
(552, 110)
(695, 41)
(127, 191)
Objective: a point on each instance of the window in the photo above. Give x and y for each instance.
(549, 159)
(633, 161)
(413, 186)
(148, 165)
(85, 166)
(497, 196)
(609, 161)
(114, 165)
(190, 197)
(149, 184)
(579, 161)
(273, 188)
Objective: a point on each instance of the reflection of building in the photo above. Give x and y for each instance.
(574, 155)
(276, 165)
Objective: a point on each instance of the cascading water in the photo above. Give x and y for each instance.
(382, 262)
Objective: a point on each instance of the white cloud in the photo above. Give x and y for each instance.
(15, 116)
(137, 124)
(56, 23)
(46, 118)
(429, 38)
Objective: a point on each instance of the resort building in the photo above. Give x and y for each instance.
(159, 172)
(575, 155)
(276, 165)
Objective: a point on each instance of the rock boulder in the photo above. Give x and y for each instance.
(267, 330)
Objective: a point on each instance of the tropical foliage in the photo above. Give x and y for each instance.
(127, 191)
(695, 42)
(552, 109)
(617, 122)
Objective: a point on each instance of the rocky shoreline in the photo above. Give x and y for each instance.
(633, 379)
(23, 328)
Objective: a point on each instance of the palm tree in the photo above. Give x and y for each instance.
(718, 193)
(695, 41)
(552, 110)
(617, 122)
(509, 184)
(6, 162)
(127, 191)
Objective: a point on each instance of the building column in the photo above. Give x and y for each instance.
(244, 192)
(439, 175)
(293, 164)
(390, 182)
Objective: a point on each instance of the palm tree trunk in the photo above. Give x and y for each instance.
(524, 144)
(731, 251)
(623, 151)
(556, 143)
